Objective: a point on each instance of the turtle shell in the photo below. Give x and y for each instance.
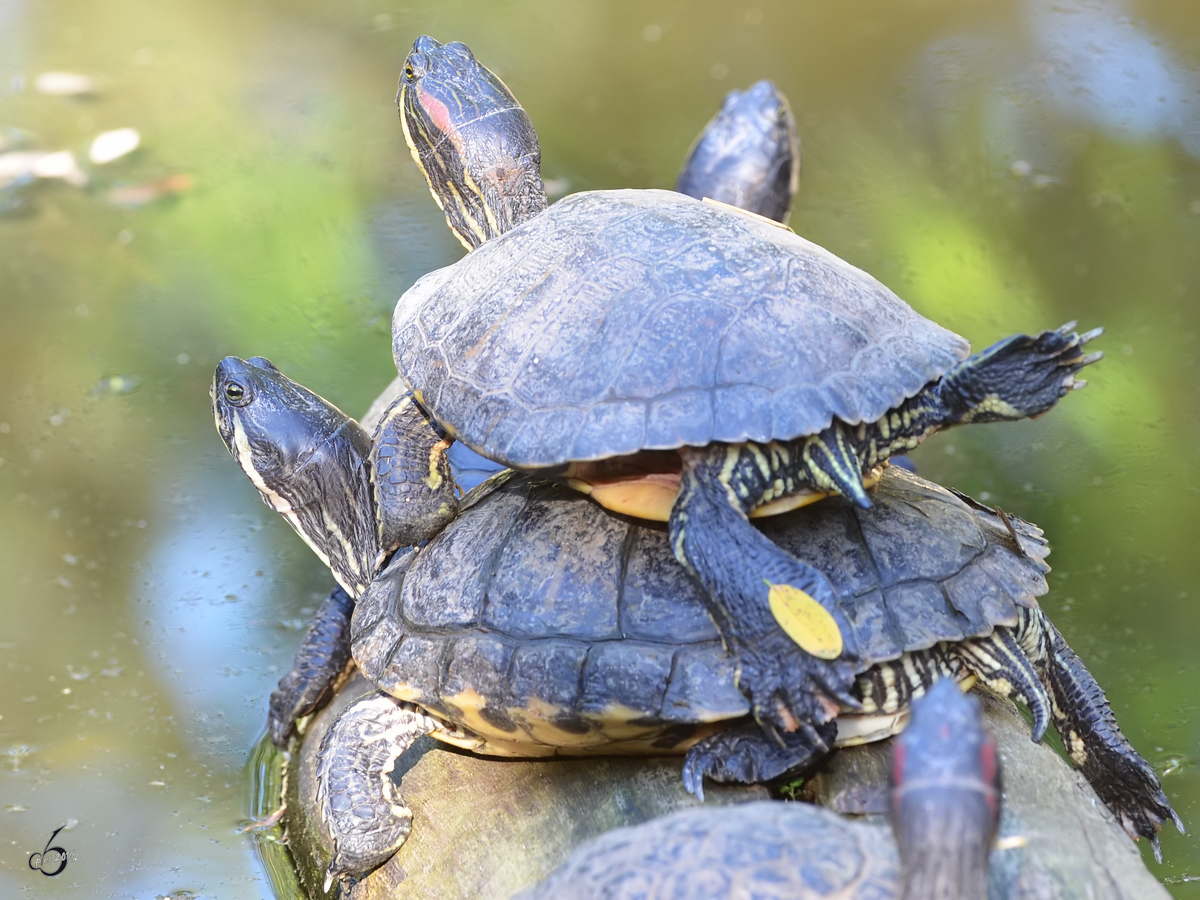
(766, 850)
(619, 321)
(544, 624)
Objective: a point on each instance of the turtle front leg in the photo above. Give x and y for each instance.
(743, 753)
(362, 814)
(795, 649)
(1125, 782)
(416, 494)
(322, 658)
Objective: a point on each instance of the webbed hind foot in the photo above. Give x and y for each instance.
(1020, 377)
(1124, 780)
(362, 813)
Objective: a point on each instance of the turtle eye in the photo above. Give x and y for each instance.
(236, 394)
(415, 66)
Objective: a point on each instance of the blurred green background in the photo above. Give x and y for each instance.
(1003, 166)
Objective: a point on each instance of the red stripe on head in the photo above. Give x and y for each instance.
(436, 110)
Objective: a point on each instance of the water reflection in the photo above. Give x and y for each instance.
(1106, 69)
(208, 608)
(1087, 64)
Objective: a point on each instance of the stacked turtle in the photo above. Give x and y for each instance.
(945, 798)
(683, 362)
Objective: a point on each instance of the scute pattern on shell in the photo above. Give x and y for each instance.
(767, 850)
(494, 607)
(625, 320)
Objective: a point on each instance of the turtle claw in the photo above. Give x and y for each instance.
(1153, 838)
(790, 690)
(1020, 377)
(1140, 804)
(693, 777)
(323, 657)
(1121, 777)
(1156, 846)
(747, 754)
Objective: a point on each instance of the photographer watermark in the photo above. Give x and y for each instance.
(52, 860)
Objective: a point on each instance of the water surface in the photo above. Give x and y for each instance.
(1003, 166)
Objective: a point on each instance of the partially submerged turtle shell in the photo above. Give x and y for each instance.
(619, 321)
(545, 624)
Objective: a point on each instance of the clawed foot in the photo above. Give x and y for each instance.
(795, 649)
(744, 753)
(1131, 789)
(788, 689)
(320, 661)
(1021, 376)
(1126, 783)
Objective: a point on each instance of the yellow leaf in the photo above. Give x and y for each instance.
(805, 620)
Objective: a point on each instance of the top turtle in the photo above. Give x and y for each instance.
(622, 340)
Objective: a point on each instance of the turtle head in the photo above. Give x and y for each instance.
(945, 795)
(310, 462)
(471, 139)
(270, 424)
(748, 155)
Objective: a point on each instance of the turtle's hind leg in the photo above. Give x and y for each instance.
(795, 649)
(1001, 663)
(1089, 731)
(1020, 377)
(323, 657)
(362, 813)
(744, 753)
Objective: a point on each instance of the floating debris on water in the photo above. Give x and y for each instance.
(1173, 763)
(116, 384)
(61, 165)
(132, 196)
(16, 753)
(25, 165)
(65, 84)
(112, 145)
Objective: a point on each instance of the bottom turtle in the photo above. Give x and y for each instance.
(945, 804)
(536, 623)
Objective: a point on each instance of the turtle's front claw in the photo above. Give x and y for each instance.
(747, 754)
(787, 688)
